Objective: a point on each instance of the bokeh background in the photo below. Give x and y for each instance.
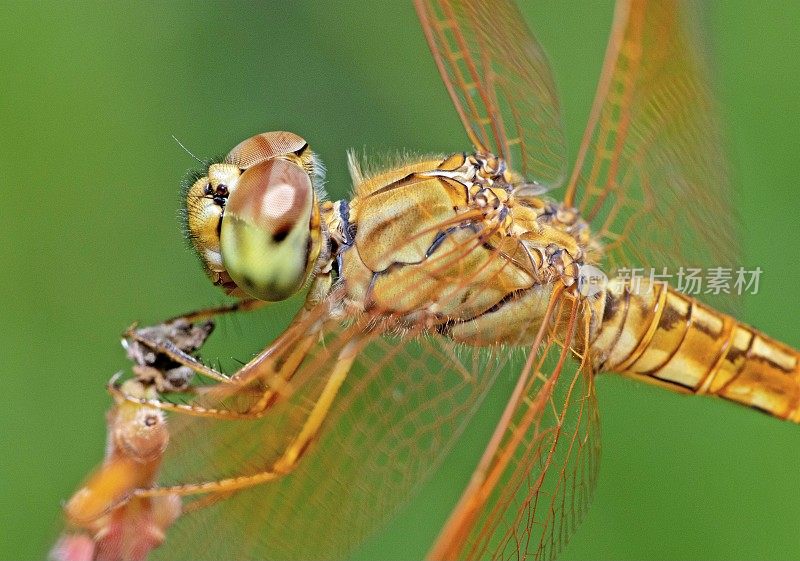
(89, 240)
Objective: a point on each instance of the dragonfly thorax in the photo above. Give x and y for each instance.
(459, 243)
(553, 234)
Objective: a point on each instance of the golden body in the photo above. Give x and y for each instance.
(441, 208)
(652, 333)
(422, 288)
(661, 336)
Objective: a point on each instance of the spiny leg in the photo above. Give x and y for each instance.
(276, 373)
(267, 374)
(147, 345)
(293, 453)
(176, 337)
(161, 356)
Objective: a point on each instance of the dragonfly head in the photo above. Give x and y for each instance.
(254, 217)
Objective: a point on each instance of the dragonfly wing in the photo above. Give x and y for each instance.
(651, 175)
(407, 398)
(404, 404)
(539, 471)
(500, 82)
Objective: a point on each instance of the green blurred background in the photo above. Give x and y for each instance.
(92, 94)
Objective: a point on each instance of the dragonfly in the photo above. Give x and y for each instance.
(439, 273)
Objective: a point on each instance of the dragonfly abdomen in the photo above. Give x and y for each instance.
(656, 334)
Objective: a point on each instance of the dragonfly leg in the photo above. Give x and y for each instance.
(161, 352)
(246, 305)
(148, 347)
(276, 375)
(293, 453)
(268, 374)
(173, 340)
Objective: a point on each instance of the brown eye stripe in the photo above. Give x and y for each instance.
(273, 195)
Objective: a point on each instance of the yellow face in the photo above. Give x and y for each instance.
(254, 218)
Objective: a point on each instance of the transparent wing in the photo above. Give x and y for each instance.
(409, 394)
(538, 474)
(651, 175)
(500, 83)
(404, 404)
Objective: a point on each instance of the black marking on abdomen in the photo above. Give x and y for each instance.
(771, 363)
(611, 308)
(670, 317)
(672, 382)
(704, 328)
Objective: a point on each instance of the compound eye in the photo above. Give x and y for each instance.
(265, 235)
(265, 146)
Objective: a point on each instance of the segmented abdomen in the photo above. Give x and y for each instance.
(659, 335)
